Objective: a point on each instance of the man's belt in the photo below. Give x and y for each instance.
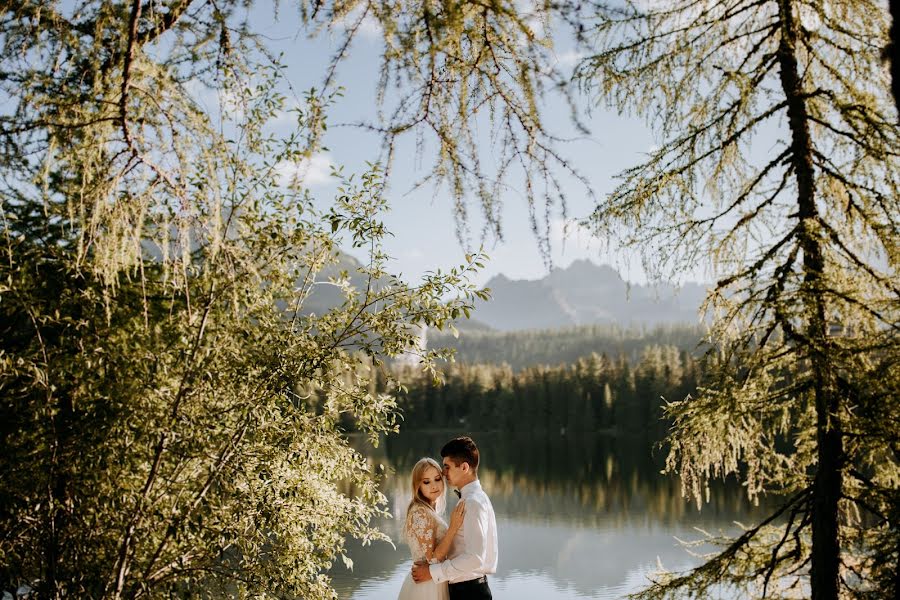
(476, 581)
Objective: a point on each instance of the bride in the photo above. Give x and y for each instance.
(428, 536)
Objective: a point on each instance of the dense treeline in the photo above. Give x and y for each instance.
(521, 349)
(592, 393)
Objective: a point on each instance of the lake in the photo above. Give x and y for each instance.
(578, 517)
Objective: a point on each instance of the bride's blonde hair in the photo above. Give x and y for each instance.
(418, 474)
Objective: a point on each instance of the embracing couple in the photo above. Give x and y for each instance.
(450, 561)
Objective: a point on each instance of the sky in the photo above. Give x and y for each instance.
(421, 221)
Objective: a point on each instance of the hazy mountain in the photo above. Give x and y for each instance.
(582, 294)
(325, 296)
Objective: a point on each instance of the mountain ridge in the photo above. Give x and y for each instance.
(586, 293)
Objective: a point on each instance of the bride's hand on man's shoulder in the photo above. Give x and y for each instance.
(456, 517)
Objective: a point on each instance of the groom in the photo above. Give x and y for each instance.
(474, 552)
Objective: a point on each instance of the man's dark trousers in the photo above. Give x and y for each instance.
(476, 589)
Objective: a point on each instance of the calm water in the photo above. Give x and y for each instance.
(578, 517)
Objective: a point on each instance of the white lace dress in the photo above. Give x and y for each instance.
(426, 529)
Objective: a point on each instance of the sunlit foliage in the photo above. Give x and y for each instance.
(803, 235)
(170, 410)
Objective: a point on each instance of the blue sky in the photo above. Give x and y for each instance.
(422, 220)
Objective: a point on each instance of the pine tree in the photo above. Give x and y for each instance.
(804, 240)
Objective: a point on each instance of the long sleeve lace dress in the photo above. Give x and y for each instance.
(423, 533)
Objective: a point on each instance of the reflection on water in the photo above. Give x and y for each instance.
(578, 517)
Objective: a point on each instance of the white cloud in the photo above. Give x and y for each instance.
(308, 172)
(536, 24)
(232, 105)
(226, 104)
(534, 17)
(286, 116)
(416, 254)
(200, 93)
(369, 29)
(569, 58)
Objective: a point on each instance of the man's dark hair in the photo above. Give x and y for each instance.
(460, 450)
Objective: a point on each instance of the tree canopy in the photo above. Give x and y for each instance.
(171, 410)
(804, 242)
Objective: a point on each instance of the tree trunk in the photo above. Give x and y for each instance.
(58, 497)
(892, 53)
(827, 484)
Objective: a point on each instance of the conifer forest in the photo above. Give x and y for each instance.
(187, 352)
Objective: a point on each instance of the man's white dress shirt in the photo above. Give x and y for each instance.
(474, 549)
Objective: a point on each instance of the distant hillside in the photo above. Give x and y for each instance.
(325, 296)
(521, 349)
(583, 294)
(567, 315)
